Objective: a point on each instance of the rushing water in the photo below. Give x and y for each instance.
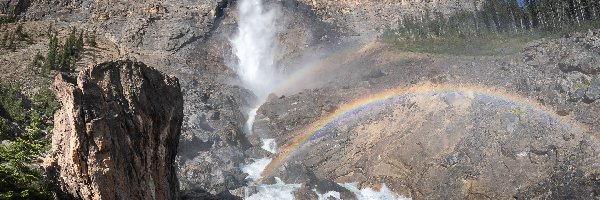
(255, 47)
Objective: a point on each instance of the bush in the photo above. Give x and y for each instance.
(20, 34)
(45, 102)
(20, 178)
(36, 62)
(3, 127)
(11, 102)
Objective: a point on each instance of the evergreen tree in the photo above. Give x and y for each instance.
(5, 39)
(91, 39)
(35, 62)
(11, 43)
(63, 58)
(19, 32)
(49, 32)
(50, 62)
(79, 44)
(68, 51)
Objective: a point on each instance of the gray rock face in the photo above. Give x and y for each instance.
(13, 7)
(117, 133)
(137, 26)
(577, 59)
(369, 18)
(213, 142)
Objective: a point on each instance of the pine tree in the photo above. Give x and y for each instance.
(19, 32)
(79, 45)
(5, 39)
(11, 43)
(51, 55)
(49, 32)
(35, 62)
(63, 58)
(91, 39)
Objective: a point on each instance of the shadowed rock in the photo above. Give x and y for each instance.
(117, 133)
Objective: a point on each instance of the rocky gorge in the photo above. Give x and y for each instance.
(350, 108)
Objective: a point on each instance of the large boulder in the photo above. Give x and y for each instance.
(117, 133)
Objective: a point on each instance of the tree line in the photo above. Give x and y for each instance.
(63, 55)
(501, 16)
(10, 38)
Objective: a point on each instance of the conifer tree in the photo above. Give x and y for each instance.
(91, 39)
(51, 55)
(19, 32)
(11, 43)
(5, 39)
(79, 44)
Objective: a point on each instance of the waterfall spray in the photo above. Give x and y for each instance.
(255, 47)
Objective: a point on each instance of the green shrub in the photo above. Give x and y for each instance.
(19, 32)
(36, 62)
(5, 39)
(11, 102)
(45, 102)
(3, 128)
(20, 180)
(20, 177)
(12, 45)
(6, 19)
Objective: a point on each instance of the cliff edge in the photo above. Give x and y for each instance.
(117, 133)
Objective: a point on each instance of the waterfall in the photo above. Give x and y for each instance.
(255, 47)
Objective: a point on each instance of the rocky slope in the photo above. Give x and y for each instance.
(521, 126)
(117, 133)
(367, 19)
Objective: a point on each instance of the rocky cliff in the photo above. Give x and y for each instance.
(117, 133)
(367, 18)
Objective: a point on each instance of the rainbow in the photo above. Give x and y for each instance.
(307, 133)
(329, 64)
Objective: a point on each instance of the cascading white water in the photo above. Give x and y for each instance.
(255, 47)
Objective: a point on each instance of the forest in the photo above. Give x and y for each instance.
(495, 22)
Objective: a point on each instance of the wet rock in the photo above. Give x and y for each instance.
(117, 133)
(211, 141)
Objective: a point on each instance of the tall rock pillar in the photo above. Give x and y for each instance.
(117, 132)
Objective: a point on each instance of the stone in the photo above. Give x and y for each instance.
(593, 92)
(13, 7)
(117, 133)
